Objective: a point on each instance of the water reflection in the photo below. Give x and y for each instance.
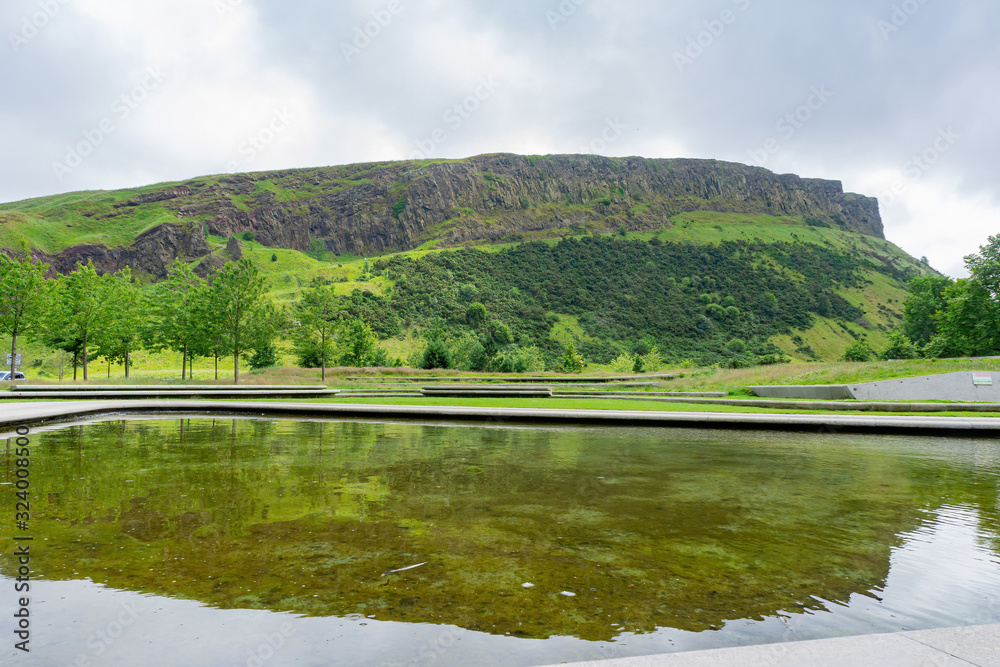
(667, 539)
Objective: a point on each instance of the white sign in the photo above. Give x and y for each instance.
(17, 361)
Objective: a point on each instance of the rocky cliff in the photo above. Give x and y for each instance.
(368, 209)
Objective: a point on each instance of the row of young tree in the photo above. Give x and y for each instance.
(227, 314)
(945, 318)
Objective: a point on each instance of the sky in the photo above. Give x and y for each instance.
(898, 99)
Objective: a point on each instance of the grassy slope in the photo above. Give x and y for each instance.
(54, 223)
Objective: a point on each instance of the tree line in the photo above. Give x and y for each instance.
(110, 316)
(945, 318)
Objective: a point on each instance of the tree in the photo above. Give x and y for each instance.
(124, 329)
(357, 344)
(476, 315)
(921, 307)
(571, 361)
(207, 336)
(859, 351)
(898, 347)
(436, 354)
(82, 309)
(318, 315)
(235, 299)
(317, 248)
(266, 325)
(985, 267)
(24, 297)
(178, 313)
(968, 324)
(498, 335)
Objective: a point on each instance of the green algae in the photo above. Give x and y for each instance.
(648, 528)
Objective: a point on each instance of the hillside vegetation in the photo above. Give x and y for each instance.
(707, 262)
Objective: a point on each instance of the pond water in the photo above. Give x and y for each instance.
(258, 541)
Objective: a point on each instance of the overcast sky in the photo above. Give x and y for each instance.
(883, 95)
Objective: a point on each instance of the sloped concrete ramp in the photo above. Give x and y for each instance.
(967, 386)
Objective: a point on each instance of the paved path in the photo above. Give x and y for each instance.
(952, 647)
(13, 413)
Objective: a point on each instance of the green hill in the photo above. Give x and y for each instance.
(608, 254)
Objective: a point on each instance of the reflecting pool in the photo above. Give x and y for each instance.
(259, 541)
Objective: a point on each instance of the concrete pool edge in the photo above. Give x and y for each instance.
(946, 647)
(15, 414)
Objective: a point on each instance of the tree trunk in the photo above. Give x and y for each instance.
(216, 364)
(13, 355)
(128, 356)
(84, 357)
(323, 356)
(236, 367)
(184, 362)
(109, 368)
(191, 368)
(75, 359)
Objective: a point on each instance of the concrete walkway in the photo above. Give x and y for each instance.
(12, 413)
(952, 647)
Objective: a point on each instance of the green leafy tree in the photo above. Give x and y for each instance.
(899, 347)
(498, 335)
(476, 315)
(24, 298)
(968, 324)
(921, 307)
(624, 363)
(178, 314)
(653, 361)
(266, 326)
(82, 309)
(436, 355)
(859, 350)
(985, 266)
(572, 361)
(318, 314)
(236, 299)
(124, 329)
(208, 338)
(357, 344)
(317, 248)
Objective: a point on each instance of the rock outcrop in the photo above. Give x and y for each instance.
(152, 253)
(367, 209)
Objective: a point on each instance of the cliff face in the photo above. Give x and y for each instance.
(152, 253)
(371, 208)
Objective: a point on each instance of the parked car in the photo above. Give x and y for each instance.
(5, 376)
